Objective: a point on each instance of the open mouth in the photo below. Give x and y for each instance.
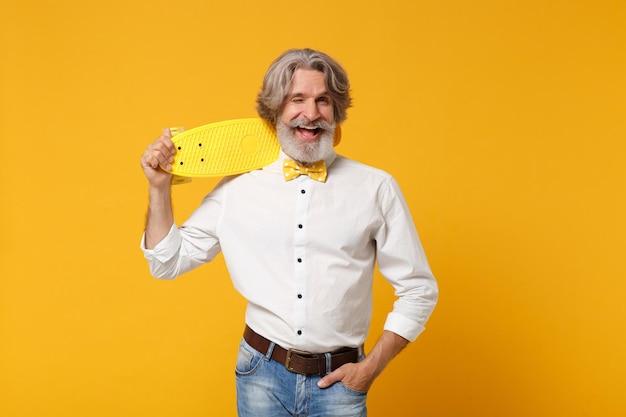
(308, 132)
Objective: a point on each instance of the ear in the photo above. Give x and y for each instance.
(337, 138)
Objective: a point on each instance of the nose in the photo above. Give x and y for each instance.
(310, 110)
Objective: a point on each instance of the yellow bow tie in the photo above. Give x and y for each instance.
(316, 171)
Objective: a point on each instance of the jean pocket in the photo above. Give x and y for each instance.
(248, 359)
(350, 390)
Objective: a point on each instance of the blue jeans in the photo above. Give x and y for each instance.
(265, 388)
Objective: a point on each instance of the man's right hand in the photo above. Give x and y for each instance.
(159, 153)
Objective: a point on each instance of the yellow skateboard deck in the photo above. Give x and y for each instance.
(225, 148)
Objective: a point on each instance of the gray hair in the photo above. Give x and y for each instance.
(279, 76)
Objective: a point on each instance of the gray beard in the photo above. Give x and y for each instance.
(305, 152)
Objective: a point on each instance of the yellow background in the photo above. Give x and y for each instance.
(506, 119)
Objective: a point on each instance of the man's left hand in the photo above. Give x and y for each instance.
(356, 376)
(360, 376)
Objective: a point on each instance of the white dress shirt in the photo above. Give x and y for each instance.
(303, 253)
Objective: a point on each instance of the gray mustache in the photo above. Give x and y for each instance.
(303, 121)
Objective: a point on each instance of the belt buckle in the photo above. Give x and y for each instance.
(288, 359)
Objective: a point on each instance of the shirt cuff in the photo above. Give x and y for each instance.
(403, 326)
(165, 249)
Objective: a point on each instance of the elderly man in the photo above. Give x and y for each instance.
(302, 250)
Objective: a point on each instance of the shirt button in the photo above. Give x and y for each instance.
(299, 295)
(302, 191)
(299, 332)
(299, 260)
(299, 226)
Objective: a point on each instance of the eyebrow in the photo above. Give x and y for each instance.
(296, 94)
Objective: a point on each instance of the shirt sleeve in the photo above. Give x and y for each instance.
(189, 246)
(402, 261)
(162, 259)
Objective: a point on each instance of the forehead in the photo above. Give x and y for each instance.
(308, 82)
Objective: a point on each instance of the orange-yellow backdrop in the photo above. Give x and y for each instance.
(506, 118)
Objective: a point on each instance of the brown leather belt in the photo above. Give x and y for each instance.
(299, 361)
